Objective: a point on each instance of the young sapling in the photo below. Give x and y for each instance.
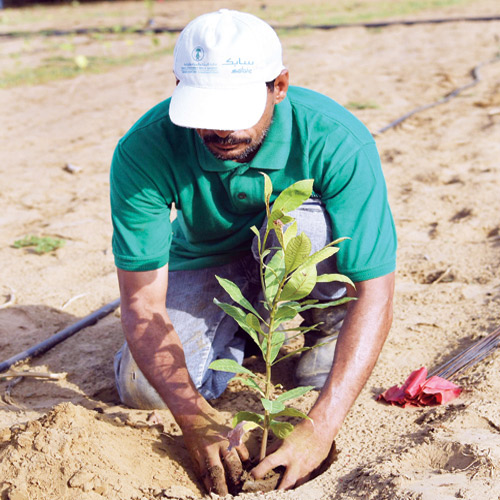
(288, 275)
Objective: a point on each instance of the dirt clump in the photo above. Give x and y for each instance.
(73, 451)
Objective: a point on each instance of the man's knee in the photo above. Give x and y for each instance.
(133, 387)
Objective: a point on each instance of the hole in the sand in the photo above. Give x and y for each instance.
(447, 456)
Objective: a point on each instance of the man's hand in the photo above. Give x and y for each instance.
(205, 437)
(303, 453)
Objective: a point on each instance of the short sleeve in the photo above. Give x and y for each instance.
(142, 232)
(355, 197)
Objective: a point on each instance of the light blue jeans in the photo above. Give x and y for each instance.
(206, 332)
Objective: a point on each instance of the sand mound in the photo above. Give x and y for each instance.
(74, 451)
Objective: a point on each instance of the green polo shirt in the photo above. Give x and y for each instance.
(157, 164)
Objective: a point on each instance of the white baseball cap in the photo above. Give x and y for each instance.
(223, 61)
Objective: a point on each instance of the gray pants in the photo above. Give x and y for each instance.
(206, 332)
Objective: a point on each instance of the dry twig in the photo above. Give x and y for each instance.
(7, 398)
(443, 275)
(76, 297)
(54, 376)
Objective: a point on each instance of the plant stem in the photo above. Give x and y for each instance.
(272, 312)
(268, 385)
(267, 420)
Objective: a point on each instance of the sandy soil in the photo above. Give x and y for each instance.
(71, 439)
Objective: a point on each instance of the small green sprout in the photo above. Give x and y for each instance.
(362, 105)
(287, 277)
(40, 244)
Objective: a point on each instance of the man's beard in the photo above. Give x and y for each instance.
(244, 156)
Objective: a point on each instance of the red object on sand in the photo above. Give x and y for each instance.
(420, 391)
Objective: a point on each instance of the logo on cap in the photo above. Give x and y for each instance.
(198, 53)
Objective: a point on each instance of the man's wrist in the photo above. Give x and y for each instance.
(190, 410)
(326, 420)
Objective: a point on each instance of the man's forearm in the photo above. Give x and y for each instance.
(154, 343)
(158, 352)
(359, 344)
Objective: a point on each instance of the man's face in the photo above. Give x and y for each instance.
(239, 145)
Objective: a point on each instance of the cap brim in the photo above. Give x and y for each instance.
(218, 109)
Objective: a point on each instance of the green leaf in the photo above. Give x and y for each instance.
(284, 313)
(250, 382)
(274, 273)
(278, 338)
(301, 329)
(294, 393)
(235, 293)
(272, 406)
(302, 349)
(257, 233)
(265, 253)
(307, 302)
(293, 353)
(278, 230)
(320, 256)
(327, 278)
(240, 317)
(290, 233)
(278, 216)
(293, 196)
(286, 219)
(248, 416)
(291, 412)
(297, 251)
(293, 304)
(300, 284)
(324, 305)
(235, 312)
(228, 365)
(253, 322)
(281, 429)
(339, 240)
(268, 188)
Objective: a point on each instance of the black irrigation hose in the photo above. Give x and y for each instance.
(88, 31)
(165, 29)
(380, 24)
(476, 78)
(49, 343)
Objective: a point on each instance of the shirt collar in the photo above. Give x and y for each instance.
(273, 153)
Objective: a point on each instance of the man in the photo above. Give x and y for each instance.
(231, 117)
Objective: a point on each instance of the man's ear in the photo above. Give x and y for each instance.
(281, 86)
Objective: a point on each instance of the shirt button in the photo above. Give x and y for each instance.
(242, 196)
